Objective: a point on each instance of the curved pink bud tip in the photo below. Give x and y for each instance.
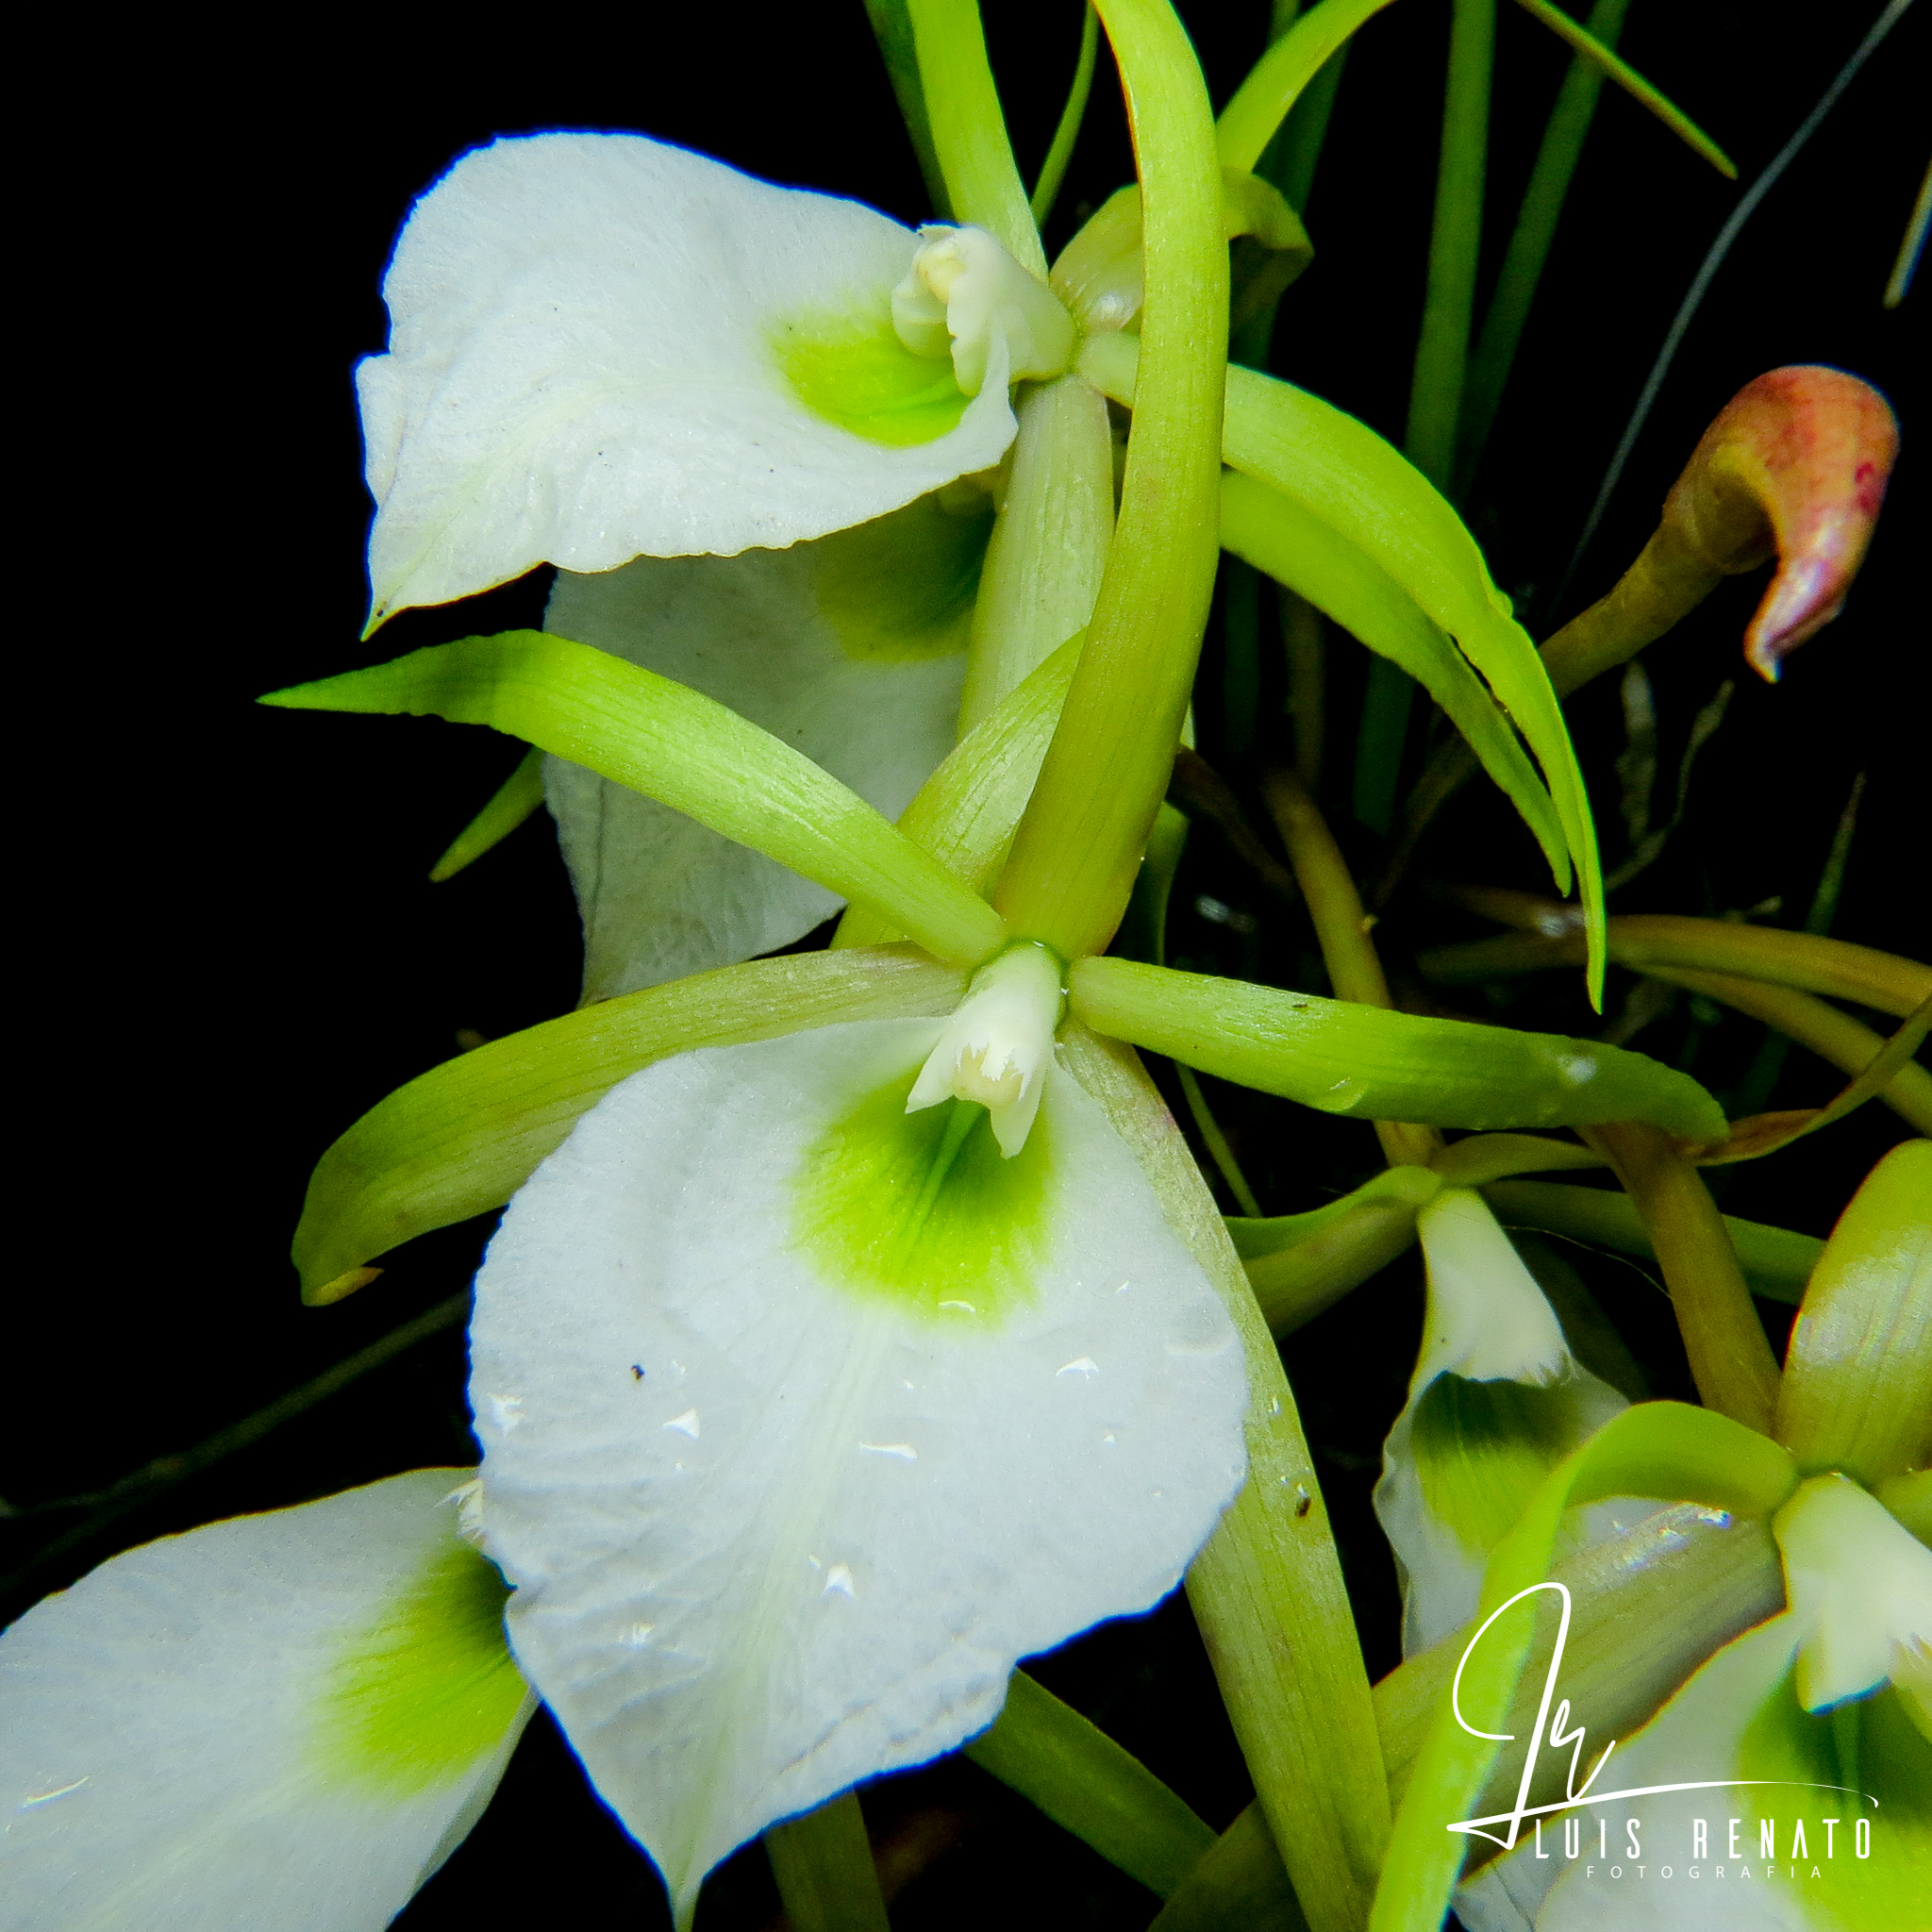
(1796, 465)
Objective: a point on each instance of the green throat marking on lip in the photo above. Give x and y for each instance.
(1482, 1448)
(854, 371)
(417, 1696)
(921, 1210)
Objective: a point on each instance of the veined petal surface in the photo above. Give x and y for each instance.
(1497, 1400)
(850, 649)
(787, 1482)
(285, 1720)
(602, 347)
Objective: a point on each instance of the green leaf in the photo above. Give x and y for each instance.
(1074, 1773)
(1663, 1449)
(690, 752)
(1776, 1262)
(1061, 149)
(464, 1137)
(1260, 103)
(1106, 772)
(966, 812)
(1857, 1393)
(892, 28)
(1633, 84)
(968, 130)
(1296, 548)
(824, 1867)
(515, 799)
(1344, 1057)
(1370, 494)
(1239, 1883)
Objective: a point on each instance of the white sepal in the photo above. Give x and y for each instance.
(849, 649)
(776, 1530)
(1460, 1459)
(586, 365)
(288, 1721)
(996, 1051)
(963, 291)
(1860, 1590)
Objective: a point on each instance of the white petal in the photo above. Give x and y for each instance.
(286, 1720)
(849, 649)
(589, 343)
(893, 1494)
(1861, 1588)
(1496, 1401)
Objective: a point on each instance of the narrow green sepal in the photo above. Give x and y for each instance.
(514, 800)
(1344, 1057)
(686, 750)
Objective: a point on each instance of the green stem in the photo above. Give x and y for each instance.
(824, 1865)
(1730, 1360)
(1530, 243)
(968, 131)
(1044, 564)
(1053, 170)
(1216, 1142)
(892, 28)
(1276, 81)
(1106, 772)
(1267, 1590)
(1292, 157)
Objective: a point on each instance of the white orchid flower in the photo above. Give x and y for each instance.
(1497, 1400)
(287, 1720)
(1809, 1735)
(729, 413)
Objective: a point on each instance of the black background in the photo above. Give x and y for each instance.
(227, 943)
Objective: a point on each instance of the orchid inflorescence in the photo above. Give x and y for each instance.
(860, 1323)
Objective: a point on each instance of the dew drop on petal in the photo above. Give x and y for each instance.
(1083, 1365)
(686, 1424)
(839, 1581)
(904, 1450)
(506, 1412)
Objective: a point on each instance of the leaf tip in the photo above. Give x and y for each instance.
(322, 1294)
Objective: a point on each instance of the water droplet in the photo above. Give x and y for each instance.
(506, 1412)
(1274, 1409)
(838, 1580)
(686, 1424)
(1576, 1068)
(904, 1450)
(638, 1635)
(677, 1368)
(1123, 1288)
(967, 1306)
(1083, 1365)
(1108, 1437)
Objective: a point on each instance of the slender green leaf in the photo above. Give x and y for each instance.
(1085, 1782)
(1301, 1708)
(1347, 1058)
(515, 799)
(1260, 103)
(1372, 495)
(892, 28)
(1240, 1883)
(1106, 772)
(1296, 548)
(693, 754)
(1255, 1240)
(1053, 170)
(1856, 1393)
(1776, 1262)
(464, 1137)
(968, 131)
(1633, 84)
(824, 1867)
(1661, 1449)
(966, 813)
(1530, 243)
